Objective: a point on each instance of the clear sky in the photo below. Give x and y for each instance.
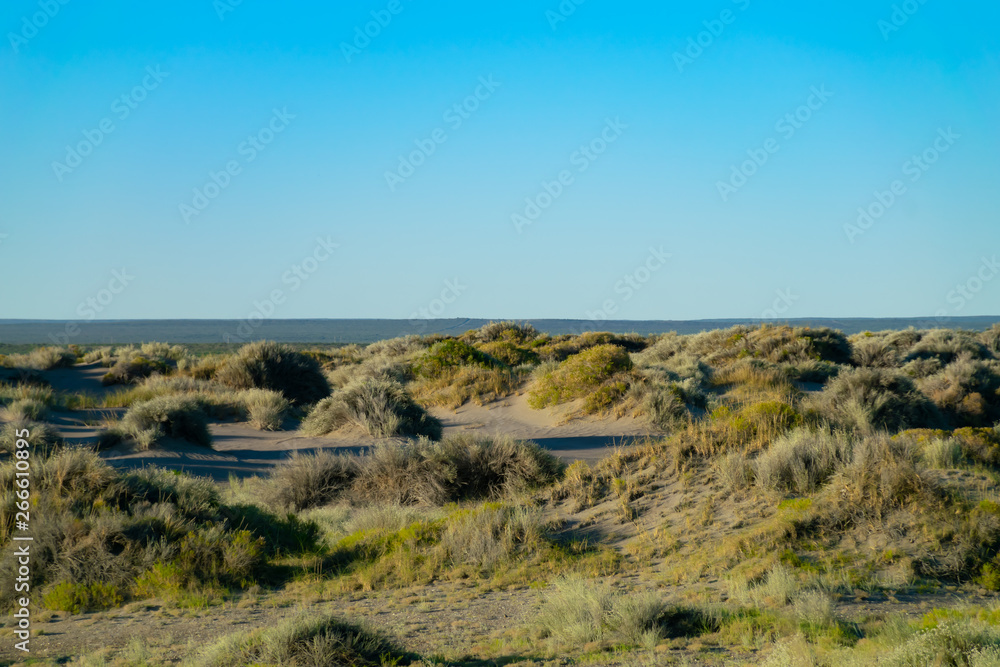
(642, 160)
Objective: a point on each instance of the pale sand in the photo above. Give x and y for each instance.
(243, 451)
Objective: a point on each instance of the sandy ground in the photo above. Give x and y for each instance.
(242, 451)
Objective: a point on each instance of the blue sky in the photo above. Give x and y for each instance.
(335, 204)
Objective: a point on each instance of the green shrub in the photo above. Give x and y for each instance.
(579, 375)
(449, 354)
(509, 354)
(173, 416)
(267, 365)
(380, 407)
(76, 598)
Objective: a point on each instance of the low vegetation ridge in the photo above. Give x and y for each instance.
(232, 333)
(805, 497)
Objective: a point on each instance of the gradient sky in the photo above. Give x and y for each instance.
(447, 230)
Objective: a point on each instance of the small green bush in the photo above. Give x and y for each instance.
(579, 375)
(510, 354)
(449, 354)
(76, 598)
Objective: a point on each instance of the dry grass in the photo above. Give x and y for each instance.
(379, 407)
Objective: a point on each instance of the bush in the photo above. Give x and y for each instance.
(26, 409)
(307, 639)
(579, 611)
(802, 461)
(311, 480)
(496, 465)
(492, 536)
(508, 331)
(884, 474)
(377, 406)
(875, 352)
(966, 391)
(173, 416)
(76, 598)
(42, 438)
(265, 408)
(267, 365)
(579, 375)
(42, 359)
(408, 473)
(132, 367)
(449, 354)
(509, 354)
(867, 398)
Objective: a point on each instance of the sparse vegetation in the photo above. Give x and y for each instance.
(796, 474)
(267, 365)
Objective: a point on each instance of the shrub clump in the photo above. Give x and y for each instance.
(304, 640)
(580, 375)
(508, 331)
(311, 480)
(802, 461)
(173, 416)
(380, 407)
(447, 355)
(268, 365)
(41, 438)
(265, 408)
(872, 398)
